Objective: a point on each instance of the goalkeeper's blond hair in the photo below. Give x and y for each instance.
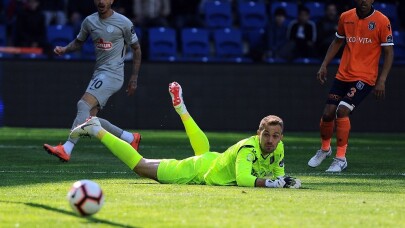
(271, 120)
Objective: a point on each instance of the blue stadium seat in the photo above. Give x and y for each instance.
(162, 44)
(3, 35)
(218, 14)
(229, 45)
(252, 15)
(60, 35)
(291, 8)
(399, 38)
(33, 56)
(389, 10)
(307, 60)
(195, 44)
(317, 10)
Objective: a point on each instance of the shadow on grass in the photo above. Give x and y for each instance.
(89, 219)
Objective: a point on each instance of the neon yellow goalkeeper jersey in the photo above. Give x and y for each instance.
(243, 162)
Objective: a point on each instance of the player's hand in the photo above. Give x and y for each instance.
(59, 50)
(279, 183)
(291, 182)
(132, 85)
(322, 74)
(379, 90)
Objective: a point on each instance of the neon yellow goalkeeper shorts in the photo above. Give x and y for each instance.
(187, 171)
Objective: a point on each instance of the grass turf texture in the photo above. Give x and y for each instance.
(33, 185)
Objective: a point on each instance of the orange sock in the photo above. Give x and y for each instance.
(342, 136)
(326, 133)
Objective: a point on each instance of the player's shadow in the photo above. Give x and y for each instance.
(89, 219)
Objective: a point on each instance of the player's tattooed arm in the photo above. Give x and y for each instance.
(72, 46)
(136, 60)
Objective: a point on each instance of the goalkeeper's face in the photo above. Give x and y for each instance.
(269, 138)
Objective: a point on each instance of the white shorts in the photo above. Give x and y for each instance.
(102, 86)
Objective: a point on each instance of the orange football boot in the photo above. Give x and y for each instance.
(57, 151)
(137, 140)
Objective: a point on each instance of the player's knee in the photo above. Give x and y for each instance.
(343, 110)
(328, 116)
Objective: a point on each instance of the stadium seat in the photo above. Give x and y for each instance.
(389, 10)
(218, 14)
(291, 9)
(399, 38)
(317, 10)
(229, 45)
(195, 44)
(252, 15)
(33, 56)
(60, 35)
(307, 60)
(162, 44)
(3, 35)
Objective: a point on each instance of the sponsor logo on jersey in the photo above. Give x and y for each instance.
(104, 45)
(390, 39)
(389, 27)
(133, 29)
(360, 85)
(281, 164)
(362, 40)
(371, 25)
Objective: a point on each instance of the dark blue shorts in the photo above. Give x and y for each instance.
(351, 94)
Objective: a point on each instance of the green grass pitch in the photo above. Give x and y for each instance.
(33, 185)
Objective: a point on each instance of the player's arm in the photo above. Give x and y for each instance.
(379, 89)
(333, 49)
(244, 177)
(136, 62)
(75, 45)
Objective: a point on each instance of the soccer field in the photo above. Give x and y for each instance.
(33, 185)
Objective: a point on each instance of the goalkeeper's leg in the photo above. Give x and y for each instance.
(124, 151)
(199, 141)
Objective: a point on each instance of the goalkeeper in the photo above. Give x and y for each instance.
(257, 161)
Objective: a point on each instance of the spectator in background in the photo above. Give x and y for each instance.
(151, 13)
(343, 5)
(277, 34)
(185, 13)
(302, 34)
(30, 29)
(77, 11)
(54, 11)
(124, 8)
(327, 28)
(401, 14)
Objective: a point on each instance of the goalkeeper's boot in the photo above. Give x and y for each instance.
(137, 140)
(320, 155)
(87, 129)
(176, 93)
(57, 151)
(338, 165)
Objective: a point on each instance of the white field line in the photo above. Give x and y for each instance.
(124, 172)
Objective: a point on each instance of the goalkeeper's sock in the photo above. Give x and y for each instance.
(198, 140)
(342, 136)
(68, 147)
(326, 129)
(119, 148)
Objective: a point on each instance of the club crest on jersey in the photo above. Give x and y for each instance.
(371, 25)
(104, 45)
(250, 157)
(110, 28)
(360, 85)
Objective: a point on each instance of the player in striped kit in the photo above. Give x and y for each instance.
(111, 33)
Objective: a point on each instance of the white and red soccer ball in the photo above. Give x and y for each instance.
(85, 197)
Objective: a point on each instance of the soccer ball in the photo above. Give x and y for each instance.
(85, 197)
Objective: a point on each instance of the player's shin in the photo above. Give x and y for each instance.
(342, 136)
(326, 129)
(119, 148)
(198, 140)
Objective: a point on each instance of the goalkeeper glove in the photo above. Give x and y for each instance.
(291, 182)
(278, 183)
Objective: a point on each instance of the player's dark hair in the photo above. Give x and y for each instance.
(271, 120)
(280, 11)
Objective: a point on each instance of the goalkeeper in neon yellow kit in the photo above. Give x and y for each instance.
(257, 161)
